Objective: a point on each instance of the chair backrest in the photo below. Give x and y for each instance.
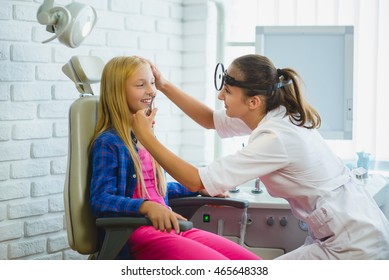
(81, 226)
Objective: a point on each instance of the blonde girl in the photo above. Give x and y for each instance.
(127, 181)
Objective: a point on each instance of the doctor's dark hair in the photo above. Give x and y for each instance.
(259, 70)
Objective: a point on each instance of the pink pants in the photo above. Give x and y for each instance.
(146, 243)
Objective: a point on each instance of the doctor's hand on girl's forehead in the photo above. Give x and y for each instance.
(159, 79)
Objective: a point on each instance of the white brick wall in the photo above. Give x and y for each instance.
(199, 55)
(35, 97)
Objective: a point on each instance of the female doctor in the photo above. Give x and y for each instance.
(285, 151)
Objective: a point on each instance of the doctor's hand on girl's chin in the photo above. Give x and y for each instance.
(142, 124)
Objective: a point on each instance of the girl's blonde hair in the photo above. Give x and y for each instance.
(113, 113)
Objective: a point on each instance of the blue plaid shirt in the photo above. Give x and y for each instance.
(113, 179)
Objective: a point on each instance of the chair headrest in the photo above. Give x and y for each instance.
(84, 71)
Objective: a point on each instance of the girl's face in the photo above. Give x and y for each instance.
(234, 99)
(140, 88)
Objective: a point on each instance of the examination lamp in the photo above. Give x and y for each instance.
(71, 24)
(84, 71)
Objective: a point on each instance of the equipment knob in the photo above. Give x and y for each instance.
(270, 221)
(257, 187)
(283, 221)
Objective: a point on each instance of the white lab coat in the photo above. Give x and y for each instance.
(296, 164)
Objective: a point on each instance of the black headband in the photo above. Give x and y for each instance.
(222, 77)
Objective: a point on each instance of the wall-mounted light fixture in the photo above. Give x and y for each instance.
(71, 24)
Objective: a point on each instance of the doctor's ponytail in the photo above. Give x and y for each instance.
(285, 90)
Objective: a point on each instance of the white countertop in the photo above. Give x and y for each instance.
(374, 184)
(261, 200)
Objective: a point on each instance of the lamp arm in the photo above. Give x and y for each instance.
(62, 20)
(43, 14)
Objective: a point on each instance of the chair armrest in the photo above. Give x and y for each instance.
(119, 229)
(134, 222)
(187, 206)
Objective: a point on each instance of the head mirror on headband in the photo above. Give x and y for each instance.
(222, 77)
(219, 76)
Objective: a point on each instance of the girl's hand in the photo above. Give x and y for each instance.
(142, 125)
(162, 218)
